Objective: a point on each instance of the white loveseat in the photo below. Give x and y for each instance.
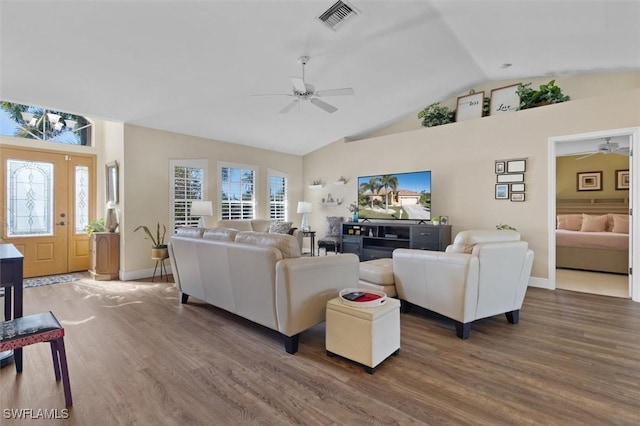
(259, 276)
(483, 273)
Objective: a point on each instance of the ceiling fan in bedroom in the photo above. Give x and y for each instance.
(608, 147)
(303, 91)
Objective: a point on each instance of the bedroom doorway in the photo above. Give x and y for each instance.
(571, 154)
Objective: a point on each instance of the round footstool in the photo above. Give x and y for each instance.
(377, 274)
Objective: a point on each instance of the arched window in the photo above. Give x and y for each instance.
(31, 122)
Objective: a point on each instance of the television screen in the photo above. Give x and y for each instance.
(395, 196)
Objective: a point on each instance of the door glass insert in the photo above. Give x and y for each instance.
(30, 198)
(82, 198)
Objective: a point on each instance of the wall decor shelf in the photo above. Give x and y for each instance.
(340, 181)
(316, 186)
(331, 203)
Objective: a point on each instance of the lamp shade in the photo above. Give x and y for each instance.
(304, 207)
(201, 208)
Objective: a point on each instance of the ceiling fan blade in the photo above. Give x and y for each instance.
(588, 155)
(288, 107)
(321, 104)
(622, 151)
(298, 84)
(272, 94)
(336, 92)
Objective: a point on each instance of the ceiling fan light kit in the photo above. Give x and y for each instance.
(303, 91)
(607, 147)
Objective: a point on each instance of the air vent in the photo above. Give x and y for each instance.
(338, 14)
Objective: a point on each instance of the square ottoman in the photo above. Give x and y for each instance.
(377, 274)
(364, 335)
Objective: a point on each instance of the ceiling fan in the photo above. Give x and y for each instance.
(303, 91)
(608, 147)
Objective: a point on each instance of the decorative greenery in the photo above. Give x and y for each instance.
(547, 94)
(353, 207)
(96, 225)
(436, 115)
(158, 239)
(504, 226)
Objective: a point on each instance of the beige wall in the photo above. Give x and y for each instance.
(145, 175)
(461, 157)
(568, 167)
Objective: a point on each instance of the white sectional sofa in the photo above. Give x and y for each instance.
(259, 276)
(257, 225)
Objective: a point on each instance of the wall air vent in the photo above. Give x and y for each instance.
(338, 14)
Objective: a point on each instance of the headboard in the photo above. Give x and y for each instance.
(592, 205)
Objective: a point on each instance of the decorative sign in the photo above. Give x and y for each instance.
(504, 99)
(469, 107)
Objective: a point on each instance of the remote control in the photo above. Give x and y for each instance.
(353, 295)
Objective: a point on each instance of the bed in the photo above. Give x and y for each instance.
(593, 235)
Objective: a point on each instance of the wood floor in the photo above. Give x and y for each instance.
(136, 356)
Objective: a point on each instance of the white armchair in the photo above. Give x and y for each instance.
(483, 273)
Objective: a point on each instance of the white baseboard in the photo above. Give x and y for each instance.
(540, 283)
(142, 273)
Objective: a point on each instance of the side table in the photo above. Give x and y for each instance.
(312, 237)
(364, 335)
(11, 274)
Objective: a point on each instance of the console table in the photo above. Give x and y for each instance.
(11, 271)
(370, 240)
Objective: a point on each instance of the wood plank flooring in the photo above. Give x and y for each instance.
(136, 356)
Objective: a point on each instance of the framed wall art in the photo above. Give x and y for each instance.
(515, 177)
(469, 106)
(590, 181)
(517, 187)
(516, 166)
(622, 179)
(499, 167)
(504, 99)
(517, 196)
(502, 192)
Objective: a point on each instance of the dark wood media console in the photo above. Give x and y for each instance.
(371, 240)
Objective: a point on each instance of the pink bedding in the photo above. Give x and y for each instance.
(600, 240)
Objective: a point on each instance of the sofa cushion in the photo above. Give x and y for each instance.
(287, 244)
(465, 240)
(569, 222)
(220, 234)
(261, 225)
(239, 224)
(594, 223)
(188, 231)
(280, 227)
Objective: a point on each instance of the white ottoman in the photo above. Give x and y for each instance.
(365, 335)
(377, 274)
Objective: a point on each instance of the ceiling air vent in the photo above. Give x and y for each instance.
(338, 14)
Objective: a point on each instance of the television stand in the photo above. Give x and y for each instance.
(379, 240)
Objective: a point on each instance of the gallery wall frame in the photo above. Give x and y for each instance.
(500, 167)
(589, 181)
(519, 197)
(622, 179)
(469, 106)
(504, 99)
(517, 187)
(516, 166)
(509, 178)
(502, 192)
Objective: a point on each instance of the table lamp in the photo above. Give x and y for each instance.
(304, 207)
(201, 208)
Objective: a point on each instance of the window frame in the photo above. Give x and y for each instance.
(278, 174)
(202, 164)
(241, 166)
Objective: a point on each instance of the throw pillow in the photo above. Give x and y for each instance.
(280, 227)
(591, 223)
(570, 222)
(620, 223)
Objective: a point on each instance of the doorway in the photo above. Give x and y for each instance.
(588, 143)
(48, 199)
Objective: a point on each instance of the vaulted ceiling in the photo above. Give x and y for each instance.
(192, 67)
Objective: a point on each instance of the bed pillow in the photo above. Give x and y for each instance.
(620, 223)
(570, 222)
(593, 223)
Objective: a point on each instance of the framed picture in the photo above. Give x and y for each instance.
(517, 187)
(516, 166)
(504, 99)
(469, 106)
(590, 181)
(517, 196)
(502, 192)
(499, 167)
(622, 179)
(444, 220)
(516, 177)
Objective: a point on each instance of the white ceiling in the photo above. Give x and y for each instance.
(192, 66)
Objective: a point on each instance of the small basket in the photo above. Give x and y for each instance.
(368, 304)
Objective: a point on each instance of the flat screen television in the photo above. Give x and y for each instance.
(395, 196)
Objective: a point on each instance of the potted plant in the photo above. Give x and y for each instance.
(96, 225)
(504, 226)
(546, 94)
(436, 115)
(436, 220)
(158, 247)
(353, 208)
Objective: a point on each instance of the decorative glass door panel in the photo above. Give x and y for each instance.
(30, 195)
